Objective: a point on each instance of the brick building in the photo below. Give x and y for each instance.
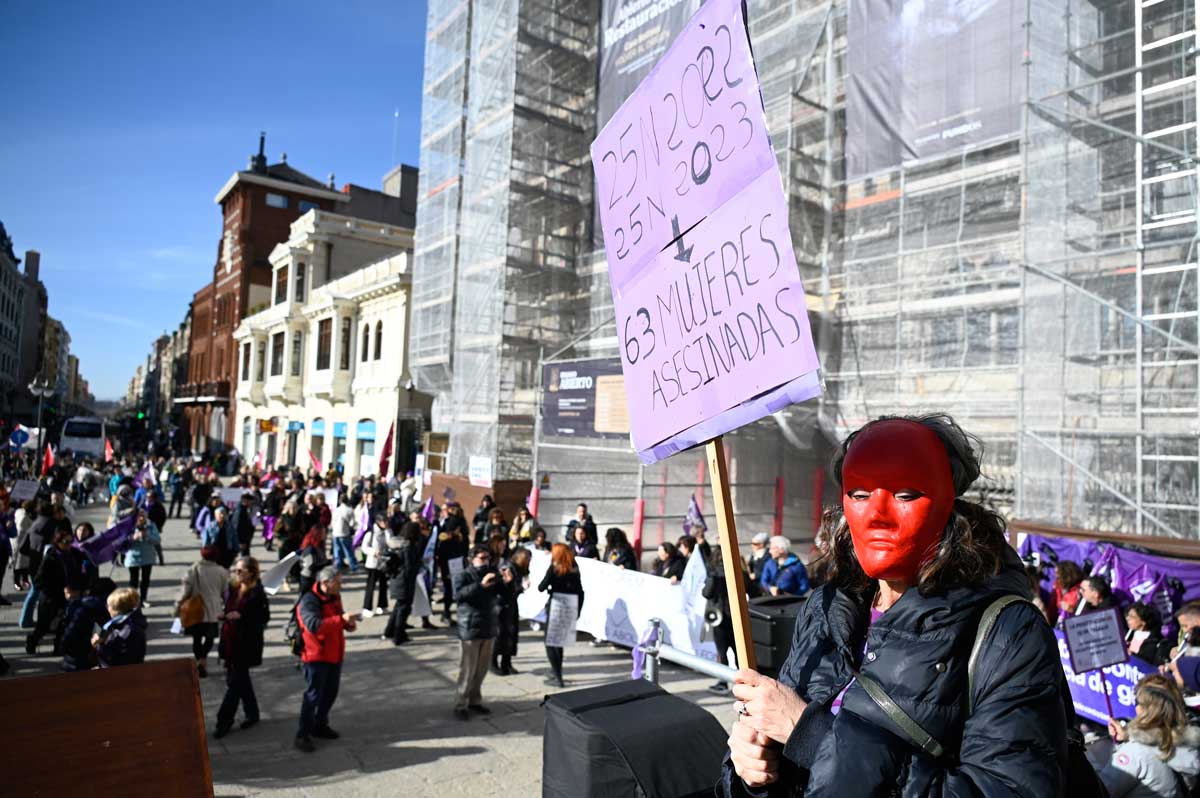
(258, 206)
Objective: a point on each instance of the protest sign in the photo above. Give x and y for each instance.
(709, 306)
(23, 490)
(1094, 640)
(330, 494)
(563, 617)
(421, 607)
(231, 496)
(272, 580)
(1087, 688)
(456, 566)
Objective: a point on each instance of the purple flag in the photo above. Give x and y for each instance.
(428, 511)
(104, 547)
(693, 520)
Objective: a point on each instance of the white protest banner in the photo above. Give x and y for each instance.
(421, 607)
(23, 490)
(564, 614)
(1095, 641)
(479, 471)
(619, 603)
(273, 579)
(456, 568)
(231, 496)
(330, 494)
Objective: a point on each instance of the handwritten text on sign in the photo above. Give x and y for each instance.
(691, 137)
(697, 338)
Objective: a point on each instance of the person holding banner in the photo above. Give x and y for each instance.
(907, 568)
(563, 583)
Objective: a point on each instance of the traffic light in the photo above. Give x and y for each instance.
(141, 414)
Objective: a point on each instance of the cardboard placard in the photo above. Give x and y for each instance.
(563, 616)
(710, 310)
(272, 580)
(1095, 641)
(23, 490)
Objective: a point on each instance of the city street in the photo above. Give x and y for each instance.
(393, 710)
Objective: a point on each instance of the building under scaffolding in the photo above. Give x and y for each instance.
(1040, 286)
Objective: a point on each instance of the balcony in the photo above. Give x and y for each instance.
(283, 389)
(330, 384)
(250, 391)
(211, 392)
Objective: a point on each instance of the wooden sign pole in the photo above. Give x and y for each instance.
(731, 554)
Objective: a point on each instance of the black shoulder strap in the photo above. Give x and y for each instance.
(986, 622)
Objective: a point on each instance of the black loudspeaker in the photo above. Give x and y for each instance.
(772, 621)
(629, 739)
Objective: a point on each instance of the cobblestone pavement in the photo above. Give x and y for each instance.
(393, 710)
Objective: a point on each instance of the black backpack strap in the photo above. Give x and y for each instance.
(916, 735)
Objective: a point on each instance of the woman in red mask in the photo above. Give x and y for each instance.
(907, 568)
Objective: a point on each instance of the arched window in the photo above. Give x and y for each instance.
(378, 339)
(366, 342)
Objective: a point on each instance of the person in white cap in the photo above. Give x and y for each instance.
(759, 555)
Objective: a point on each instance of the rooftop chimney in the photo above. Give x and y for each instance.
(33, 262)
(332, 182)
(258, 163)
(283, 157)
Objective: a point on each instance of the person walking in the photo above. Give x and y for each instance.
(401, 566)
(221, 534)
(475, 589)
(312, 558)
(344, 526)
(562, 578)
(323, 625)
(205, 580)
(242, 521)
(31, 543)
(375, 548)
(513, 573)
(243, 620)
(141, 556)
(63, 568)
(451, 545)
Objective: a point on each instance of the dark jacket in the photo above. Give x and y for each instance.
(569, 582)
(124, 640)
(622, 558)
(242, 519)
(508, 618)
(452, 539)
(242, 639)
(1013, 744)
(585, 549)
(402, 564)
(61, 569)
(81, 617)
(156, 512)
(476, 604)
(588, 525)
(1151, 649)
(672, 567)
(31, 542)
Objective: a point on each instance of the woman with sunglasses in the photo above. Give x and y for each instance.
(245, 617)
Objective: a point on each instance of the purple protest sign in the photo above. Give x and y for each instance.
(710, 310)
(1087, 689)
(688, 140)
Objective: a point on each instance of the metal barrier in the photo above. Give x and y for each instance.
(656, 649)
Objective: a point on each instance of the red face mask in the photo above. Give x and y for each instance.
(898, 494)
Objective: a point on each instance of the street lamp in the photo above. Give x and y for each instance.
(41, 389)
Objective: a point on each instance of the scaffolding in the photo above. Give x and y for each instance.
(1040, 287)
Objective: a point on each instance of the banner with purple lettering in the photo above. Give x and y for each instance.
(1087, 691)
(710, 310)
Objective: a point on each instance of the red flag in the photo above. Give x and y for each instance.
(108, 451)
(315, 462)
(47, 460)
(386, 455)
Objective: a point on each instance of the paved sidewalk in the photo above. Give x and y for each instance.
(394, 709)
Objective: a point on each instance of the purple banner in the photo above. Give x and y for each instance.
(711, 314)
(1087, 692)
(104, 547)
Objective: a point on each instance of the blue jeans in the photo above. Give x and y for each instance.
(343, 549)
(323, 679)
(31, 602)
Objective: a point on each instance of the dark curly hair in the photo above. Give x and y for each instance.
(971, 547)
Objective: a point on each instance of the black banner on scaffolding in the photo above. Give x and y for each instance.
(924, 79)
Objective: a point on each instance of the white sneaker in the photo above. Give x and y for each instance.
(380, 611)
(362, 616)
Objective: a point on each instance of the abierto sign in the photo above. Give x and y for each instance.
(584, 399)
(711, 316)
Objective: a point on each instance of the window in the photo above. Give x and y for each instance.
(300, 269)
(277, 201)
(306, 206)
(324, 334)
(246, 361)
(366, 342)
(277, 354)
(297, 350)
(378, 339)
(262, 360)
(281, 275)
(344, 351)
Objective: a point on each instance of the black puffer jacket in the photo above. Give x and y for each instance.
(1013, 744)
(476, 604)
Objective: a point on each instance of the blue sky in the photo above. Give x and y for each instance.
(123, 119)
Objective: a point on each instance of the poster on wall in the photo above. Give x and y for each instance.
(584, 399)
(924, 79)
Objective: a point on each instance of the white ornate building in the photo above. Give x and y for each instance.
(325, 367)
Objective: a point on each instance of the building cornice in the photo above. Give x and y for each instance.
(282, 185)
